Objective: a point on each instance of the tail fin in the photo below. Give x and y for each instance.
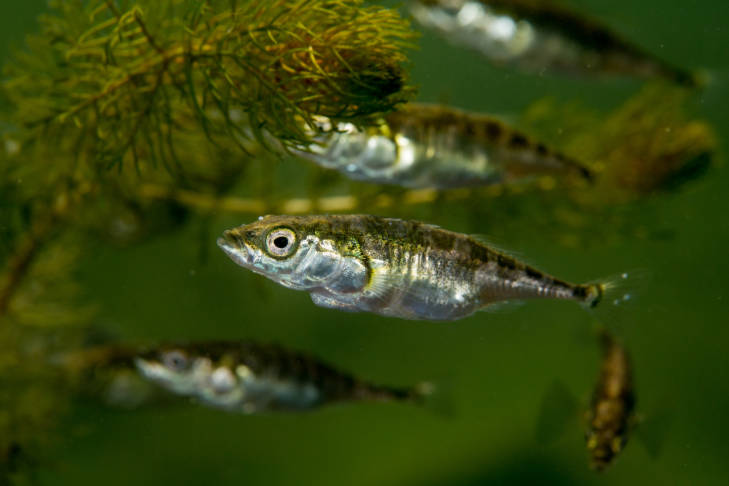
(617, 291)
(610, 299)
(701, 78)
(698, 79)
(434, 397)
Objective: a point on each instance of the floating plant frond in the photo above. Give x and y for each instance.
(115, 77)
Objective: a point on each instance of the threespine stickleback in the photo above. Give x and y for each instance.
(390, 267)
(249, 377)
(610, 415)
(431, 146)
(539, 35)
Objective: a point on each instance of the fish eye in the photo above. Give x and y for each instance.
(175, 360)
(280, 242)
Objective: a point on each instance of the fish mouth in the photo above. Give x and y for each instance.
(149, 369)
(234, 248)
(228, 240)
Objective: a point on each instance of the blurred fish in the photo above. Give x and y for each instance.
(540, 35)
(107, 373)
(248, 377)
(391, 267)
(430, 146)
(611, 413)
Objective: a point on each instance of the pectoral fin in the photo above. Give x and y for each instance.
(330, 301)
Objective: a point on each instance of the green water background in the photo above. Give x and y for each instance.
(497, 366)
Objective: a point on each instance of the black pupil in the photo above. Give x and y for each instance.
(176, 361)
(281, 242)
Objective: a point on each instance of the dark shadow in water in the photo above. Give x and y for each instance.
(520, 469)
(692, 170)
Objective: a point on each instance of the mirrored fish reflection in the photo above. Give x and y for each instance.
(247, 377)
(539, 36)
(391, 267)
(611, 414)
(431, 146)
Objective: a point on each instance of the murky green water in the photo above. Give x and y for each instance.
(497, 366)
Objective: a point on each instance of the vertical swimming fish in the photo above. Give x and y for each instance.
(249, 377)
(391, 267)
(539, 35)
(613, 402)
(430, 146)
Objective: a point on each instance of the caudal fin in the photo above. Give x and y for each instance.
(436, 398)
(618, 290)
(609, 299)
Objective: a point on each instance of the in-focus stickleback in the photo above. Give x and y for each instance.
(541, 35)
(431, 146)
(391, 267)
(249, 377)
(613, 402)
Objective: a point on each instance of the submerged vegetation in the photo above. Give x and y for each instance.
(177, 93)
(127, 78)
(123, 117)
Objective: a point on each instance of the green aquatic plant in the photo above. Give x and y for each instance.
(111, 97)
(43, 317)
(117, 77)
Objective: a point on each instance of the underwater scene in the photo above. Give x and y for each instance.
(423, 242)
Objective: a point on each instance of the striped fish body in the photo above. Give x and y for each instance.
(539, 35)
(391, 267)
(431, 146)
(250, 377)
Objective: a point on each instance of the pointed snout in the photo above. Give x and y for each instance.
(233, 247)
(228, 241)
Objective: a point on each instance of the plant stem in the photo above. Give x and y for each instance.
(207, 202)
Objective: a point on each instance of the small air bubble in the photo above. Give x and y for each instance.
(624, 276)
(627, 297)
(260, 218)
(616, 302)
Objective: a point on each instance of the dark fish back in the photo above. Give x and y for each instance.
(301, 368)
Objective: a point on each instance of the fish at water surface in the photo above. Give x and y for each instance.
(391, 267)
(431, 146)
(541, 35)
(249, 377)
(610, 415)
